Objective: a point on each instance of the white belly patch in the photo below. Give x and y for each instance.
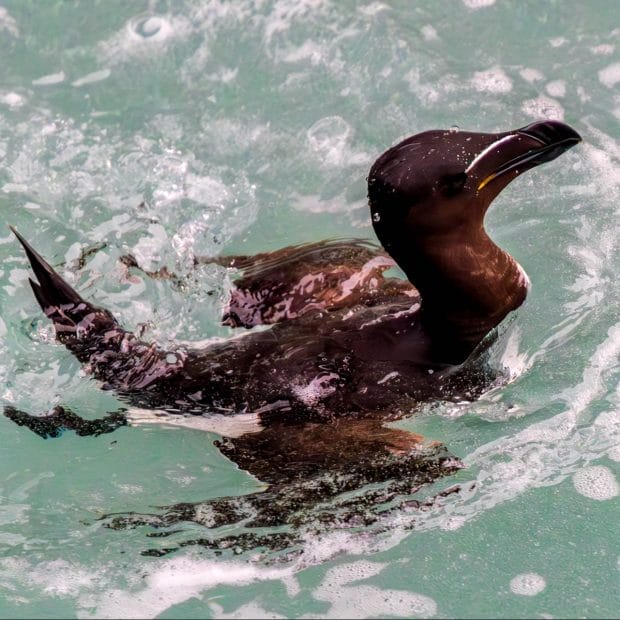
(226, 425)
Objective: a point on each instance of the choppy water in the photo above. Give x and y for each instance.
(246, 126)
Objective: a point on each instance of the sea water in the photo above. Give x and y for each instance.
(173, 129)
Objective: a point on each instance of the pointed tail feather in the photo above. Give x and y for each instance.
(55, 290)
(74, 318)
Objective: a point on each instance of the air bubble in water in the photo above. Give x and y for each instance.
(527, 584)
(376, 217)
(149, 26)
(454, 129)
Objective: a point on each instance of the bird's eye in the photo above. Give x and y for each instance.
(451, 184)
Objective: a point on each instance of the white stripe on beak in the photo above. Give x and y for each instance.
(489, 149)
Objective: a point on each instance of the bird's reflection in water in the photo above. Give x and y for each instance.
(334, 475)
(341, 474)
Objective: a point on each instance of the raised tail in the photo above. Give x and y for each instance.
(78, 323)
(112, 354)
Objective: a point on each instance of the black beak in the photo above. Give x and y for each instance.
(550, 133)
(535, 144)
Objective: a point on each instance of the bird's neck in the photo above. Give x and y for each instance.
(468, 285)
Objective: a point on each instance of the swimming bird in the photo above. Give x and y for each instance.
(297, 381)
(428, 196)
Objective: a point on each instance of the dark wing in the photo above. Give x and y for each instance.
(313, 277)
(320, 253)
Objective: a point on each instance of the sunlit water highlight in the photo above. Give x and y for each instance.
(174, 129)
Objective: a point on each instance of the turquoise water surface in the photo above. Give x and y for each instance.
(169, 129)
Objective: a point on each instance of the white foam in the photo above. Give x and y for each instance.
(429, 33)
(514, 362)
(592, 384)
(92, 78)
(130, 489)
(604, 49)
(249, 610)
(287, 12)
(531, 75)
(558, 41)
(178, 479)
(374, 8)
(426, 92)
(318, 550)
(364, 601)
(8, 23)
(527, 584)
(311, 51)
(228, 137)
(62, 578)
(13, 100)
(596, 482)
(545, 453)
(373, 602)
(604, 159)
(206, 190)
(557, 88)
(478, 4)
(610, 76)
(56, 578)
(345, 574)
(315, 203)
(170, 583)
(544, 107)
(450, 524)
(52, 78)
(493, 80)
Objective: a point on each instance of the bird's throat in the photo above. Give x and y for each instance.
(467, 289)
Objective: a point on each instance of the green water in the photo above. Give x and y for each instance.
(246, 126)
